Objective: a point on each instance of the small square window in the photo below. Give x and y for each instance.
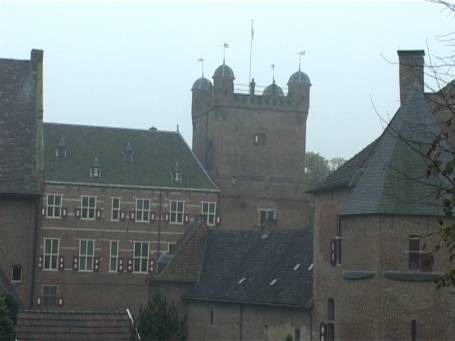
(16, 273)
(259, 139)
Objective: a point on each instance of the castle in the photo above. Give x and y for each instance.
(253, 147)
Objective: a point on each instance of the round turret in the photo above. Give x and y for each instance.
(299, 78)
(224, 71)
(202, 84)
(273, 90)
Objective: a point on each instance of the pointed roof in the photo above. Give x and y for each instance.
(394, 179)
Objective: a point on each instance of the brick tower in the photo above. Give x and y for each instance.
(253, 147)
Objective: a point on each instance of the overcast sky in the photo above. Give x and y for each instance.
(133, 65)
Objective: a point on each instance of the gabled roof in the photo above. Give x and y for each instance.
(394, 180)
(255, 268)
(155, 154)
(73, 325)
(18, 128)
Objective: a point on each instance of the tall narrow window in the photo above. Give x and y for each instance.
(86, 252)
(338, 242)
(414, 252)
(211, 316)
(142, 210)
(331, 320)
(113, 259)
(140, 256)
(177, 211)
(208, 210)
(413, 330)
(88, 207)
(51, 250)
(115, 210)
(49, 295)
(16, 273)
(54, 205)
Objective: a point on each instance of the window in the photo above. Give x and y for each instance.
(115, 211)
(49, 295)
(51, 250)
(177, 176)
(86, 251)
(414, 252)
(177, 211)
(54, 205)
(171, 248)
(211, 316)
(259, 139)
(413, 330)
(331, 320)
(338, 242)
(266, 215)
(88, 207)
(113, 256)
(142, 210)
(208, 211)
(140, 256)
(16, 273)
(297, 334)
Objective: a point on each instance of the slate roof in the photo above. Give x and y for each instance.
(18, 128)
(389, 175)
(72, 325)
(260, 259)
(347, 174)
(155, 154)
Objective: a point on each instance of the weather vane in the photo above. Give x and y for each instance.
(201, 60)
(273, 72)
(225, 46)
(301, 53)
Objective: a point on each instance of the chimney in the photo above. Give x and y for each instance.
(411, 72)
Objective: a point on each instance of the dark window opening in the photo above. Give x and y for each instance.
(331, 320)
(50, 295)
(338, 242)
(259, 139)
(211, 316)
(297, 334)
(413, 330)
(16, 273)
(414, 252)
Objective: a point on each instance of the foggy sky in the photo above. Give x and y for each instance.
(133, 65)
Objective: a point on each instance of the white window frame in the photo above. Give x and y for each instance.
(143, 211)
(53, 206)
(86, 256)
(51, 254)
(140, 257)
(208, 214)
(115, 209)
(267, 210)
(88, 207)
(176, 212)
(113, 259)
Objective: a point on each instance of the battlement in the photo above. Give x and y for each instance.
(260, 101)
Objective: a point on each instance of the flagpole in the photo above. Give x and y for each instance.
(251, 49)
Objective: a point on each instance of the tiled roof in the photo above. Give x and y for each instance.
(155, 154)
(394, 180)
(73, 325)
(185, 265)
(256, 268)
(18, 128)
(345, 176)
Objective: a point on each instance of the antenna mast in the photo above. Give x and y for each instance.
(251, 49)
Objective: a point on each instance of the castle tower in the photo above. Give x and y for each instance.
(253, 147)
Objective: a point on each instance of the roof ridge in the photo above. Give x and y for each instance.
(108, 127)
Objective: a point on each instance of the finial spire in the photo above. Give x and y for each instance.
(273, 72)
(301, 53)
(201, 60)
(225, 46)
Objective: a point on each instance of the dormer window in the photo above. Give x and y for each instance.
(60, 151)
(128, 152)
(177, 174)
(95, 169)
